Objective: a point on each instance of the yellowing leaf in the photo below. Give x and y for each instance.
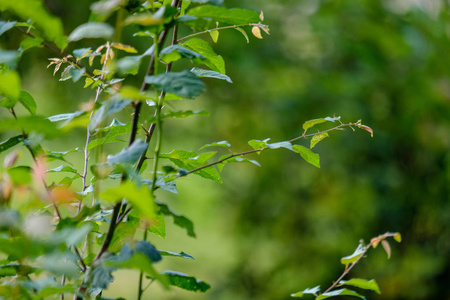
(256, 32)
(123, 47)
(317, 138)
(261, 16)
(243, 33)
(386, 247)
(214, 35)
(398, 237)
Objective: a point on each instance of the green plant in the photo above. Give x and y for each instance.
(81, 228)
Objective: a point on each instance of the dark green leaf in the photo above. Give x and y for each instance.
(63, 168)
(341, 292)
(184, 83)
(175, 52)
(362, 284)
(234, 16)
(210, 74)
(213, 61)
(186, 282)
(11, 142)
(28, 102)
(144, 247)
(129, 155)
(91, 30)
(169, 253)
(61, 264)
(178, 220)
(308, 291)
(307, 155)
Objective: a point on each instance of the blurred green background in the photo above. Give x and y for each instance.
(268, 232)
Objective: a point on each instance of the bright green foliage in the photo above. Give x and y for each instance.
(211, 59)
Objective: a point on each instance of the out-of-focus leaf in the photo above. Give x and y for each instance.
(210, 74)
(178, 220)
(243, 33)
(214, 35)
(398, 237)
(223, 144)
(11, 142)
(144, 247)
(115, 130)
(5, 26)
(386, 247)
(354, 256)
(307, 155)
(186, 282)
(362, 284)
(91, 30)
(42, 19)
(181, 254)
(28, 102)
(256, 32)
(129, 155)
(10, 85)
(126, 48)
(184, 83)
(63, 168)
(31, 43)
(158, 226)
(105, 111)
(341, 292)
(213, 61)
(31, 124)
(139, 197)
(307, 291)
(76, 73)
(234, 16)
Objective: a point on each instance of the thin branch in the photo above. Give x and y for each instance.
(209, 30)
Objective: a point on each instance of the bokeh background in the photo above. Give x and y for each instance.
(268, 232)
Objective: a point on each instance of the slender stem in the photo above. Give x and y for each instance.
(141, 274)
(209, 30)
(262, 149)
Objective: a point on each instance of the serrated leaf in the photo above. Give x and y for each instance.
(354, 256)
(10, 85)
(256, 32)
(362, 284)
(341, 292)
(243, 33)
(317, 138)
(28, 102)
(129, 155)
(307, 291)
(386, 248)
(234, 16)
(181, 254)
(223, 144)
(214, 35)
(307, 155)
(91, 30)
(210, 74)
(186, 282)
(175, 52)
(212, 60)
(11, 142)
(184, 83)
(178, 220)
(139, 197)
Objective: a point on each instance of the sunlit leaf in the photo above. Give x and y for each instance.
(31, 124)
(256, 32)
(243, 33)
(181, 254)
(362, 284)
(175, 52)
(31, 43)
(213, 61)
(354, 256)
(10, 85)
(210, 74)
(214, 35)
(158, 227)
(317, 138)
(234, 16)
(398, 237)
(126, 48)
(307, 155)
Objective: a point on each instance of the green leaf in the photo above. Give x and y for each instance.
(210, 74)
(243, 33)
(362, 284)
(115, 130)
(223, 144)
(31, 124)
(186, 282)
(234, 160)
(234, 16)
(354, 256)
(214, 35)
(182, 254)
(11, 142)
(212, 60)
(286, 145)
(76, 73)
(317, 138)
(129, 155)
(5, 26)
(9, 58)
(190, 160)
(58, 155)
(175, 52)
(311, 123)
(308, 291)
(41, 18)
(180, 221)
(65, 117)
(20, 175)
(31, 43)
(10, 85)
(213, 2)
(63, 168)
(105, 111)
(158, 227)
(181, 114)
(184, 83)
(307, 155)
(28, 102)
(139, 197)
(144, 247)
(91, 30)
(128, 65)
(341, 292)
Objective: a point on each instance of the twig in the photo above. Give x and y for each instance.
(209, 30)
